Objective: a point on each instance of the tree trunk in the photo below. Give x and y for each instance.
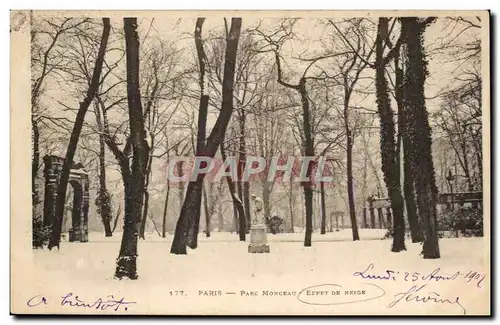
(115, 223)
(103, 194)
(408, 187)
(182, 186)
(388, 148)
(365, 176)
(309, 152)
(179, 243)
(194, 225)
(214, 140)
(477, 146)
(104, 201)
(236, 228)
(308, 199)
(75, 134)
(243, 186)
(221, 222)
(238, 205)
(350, 189)
(126, 263)
(144, 217)
(134, 185)
(35, 162)
(194, 219)
(239, 188)
(208, 215)
(468, 179)
(365, 221)
(350, 177)
(419, 133)
(165, 209)
(323, 208)
(246, 203)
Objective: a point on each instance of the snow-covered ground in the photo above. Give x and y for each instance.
(223, 263)
(298, 236)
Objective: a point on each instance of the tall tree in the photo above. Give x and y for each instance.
(45, 60)
(388, 147)
(158, 75)
(194, 224)
(419, 131)
(165, 209)
(237, 202)
(75, 134)
(126, 266)
(408, 180)
(351, 66)
(104, 199)
(273, 44)
(191, 205)
(79, 52)
(209, 209)
(323, 208)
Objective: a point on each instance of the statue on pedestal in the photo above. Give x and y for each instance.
(258, 228)
(258, 211)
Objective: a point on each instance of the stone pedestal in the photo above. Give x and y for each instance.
(73, 235)
(258, 239)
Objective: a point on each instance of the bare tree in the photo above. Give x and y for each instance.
(350, 66)
(419, 132)
(63, 182)
(273, 44)
(237, 202)
(134, 184)
(388, 147)
(159, 79)
(408, 179)
(213, 141)
(194, 221)
(45, 61)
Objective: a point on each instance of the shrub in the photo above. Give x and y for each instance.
(466, 220)
(389, 233)
(41, 233)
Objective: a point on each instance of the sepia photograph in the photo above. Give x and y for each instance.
(250, 163)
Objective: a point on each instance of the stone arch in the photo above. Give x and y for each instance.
(79, 180)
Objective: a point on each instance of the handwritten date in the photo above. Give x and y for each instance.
(436, 275)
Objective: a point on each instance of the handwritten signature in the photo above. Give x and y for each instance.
(70, 300)
(433, 297)
(436, 275)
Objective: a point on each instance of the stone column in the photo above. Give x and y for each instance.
(258, 228)
(389, 217)
(381, 220)
(85, 208)
(75, 232)
(52, 171)
(372, 212)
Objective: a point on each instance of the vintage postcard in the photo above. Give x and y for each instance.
(250, 162)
